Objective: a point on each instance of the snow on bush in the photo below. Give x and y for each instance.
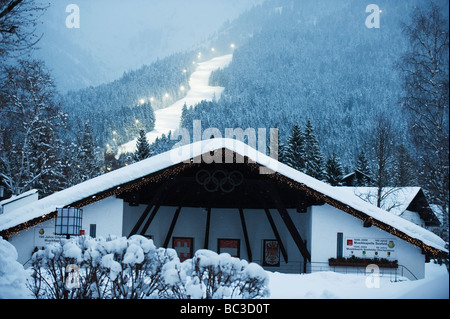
(86, 268)
(12, 274)
(120, 268)
(212, 276)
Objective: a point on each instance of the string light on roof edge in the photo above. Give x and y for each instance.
(170, 173)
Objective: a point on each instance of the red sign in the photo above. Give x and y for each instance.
(349, 242)
(230, 246)
(183, 247)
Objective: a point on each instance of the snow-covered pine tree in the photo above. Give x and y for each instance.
(295, 149)
(314, 162)
(279, 148)
(163, 144)
(184, 116)
(110, 161)
(363, 166)
(85, 162)
(49, 164)
(143, 150)
(334, 171)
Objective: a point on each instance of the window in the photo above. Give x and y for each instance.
(340, 245)
(230, 246)
(93, 230)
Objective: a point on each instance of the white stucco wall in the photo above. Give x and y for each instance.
(224, 224)
(106, 214)
(26, 240)
(327, 222)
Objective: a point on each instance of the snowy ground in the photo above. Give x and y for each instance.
(321, 285)
(330, 285)
(168, 119)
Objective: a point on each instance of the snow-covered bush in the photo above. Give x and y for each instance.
(87, 268)
(121, 268)
(212, 276)
(60, 267)
(12, 275)
(134, 268)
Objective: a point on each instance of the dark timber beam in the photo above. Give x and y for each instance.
(208, 224)
(149, 221)
(277, 234)
(244, 229)
(172, 227)
(290, 224)
(141, 219)
(294, 232)
(273, 226)
(156, 198)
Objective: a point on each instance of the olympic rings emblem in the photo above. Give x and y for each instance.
(219, 179)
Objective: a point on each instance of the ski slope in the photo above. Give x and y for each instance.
(168, 119)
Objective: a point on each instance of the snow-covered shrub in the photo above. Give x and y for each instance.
(212, 276)
(121, 268)
(12, 275)
(134, 268)
(60, 267)
(113, 268)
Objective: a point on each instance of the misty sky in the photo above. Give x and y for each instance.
(116, 35)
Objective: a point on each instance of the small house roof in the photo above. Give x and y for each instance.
(397, 200)
(18, 197)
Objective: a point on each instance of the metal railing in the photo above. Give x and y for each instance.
(394, 274)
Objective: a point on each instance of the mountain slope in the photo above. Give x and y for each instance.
(168, 119)
(316, 61)
(116, 36)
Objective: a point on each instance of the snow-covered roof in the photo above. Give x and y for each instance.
(398, 200)
(120, 177)
(17, 197)
(395, 199)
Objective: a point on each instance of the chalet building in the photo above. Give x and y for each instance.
(356, 178)
(3, 190)
(409, 203)
(225, 196)
(17, 201)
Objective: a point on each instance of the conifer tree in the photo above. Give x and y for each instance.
(295, 149)
(184, 122)
(314, 162)
(280, 146)
(334, 171)
(49, 163)
(142, 148)
(85, 162)
(362, 166)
